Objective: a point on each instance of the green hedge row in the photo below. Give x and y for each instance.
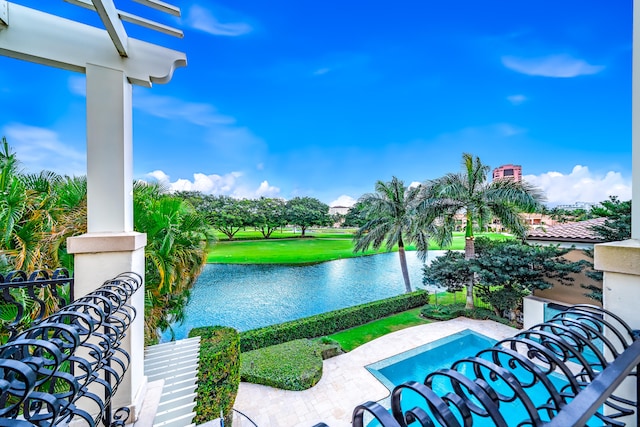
(294, 365)
(328, 323)
(448, 312)
(218, 373)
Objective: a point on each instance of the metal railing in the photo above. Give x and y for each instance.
(26, 298)
(572, 364)
(69, 365)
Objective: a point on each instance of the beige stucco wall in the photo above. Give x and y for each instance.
(572, 294)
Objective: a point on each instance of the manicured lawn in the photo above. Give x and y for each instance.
(281, 251)
(326, 245)
(355, 337)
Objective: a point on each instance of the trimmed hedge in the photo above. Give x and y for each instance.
(218, 373)
(294, 365)
(328, 323)
(448, 312)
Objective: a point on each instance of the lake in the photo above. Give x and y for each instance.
(250, 296)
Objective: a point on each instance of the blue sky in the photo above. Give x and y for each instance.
(322, 99)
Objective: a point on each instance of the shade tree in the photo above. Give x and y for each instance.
(305, 212)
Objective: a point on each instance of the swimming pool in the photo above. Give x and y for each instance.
(416, 364)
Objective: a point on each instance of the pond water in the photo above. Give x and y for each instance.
(250, 296)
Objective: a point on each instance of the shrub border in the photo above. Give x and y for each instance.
(330, 322)
(218, 372)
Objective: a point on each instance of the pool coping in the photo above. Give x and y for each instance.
(374, 368)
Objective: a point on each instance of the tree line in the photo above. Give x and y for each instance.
(230, 215)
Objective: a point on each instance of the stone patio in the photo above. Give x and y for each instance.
(345, 381)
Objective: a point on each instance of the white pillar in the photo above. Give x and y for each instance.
(110, 246)
(109, 151)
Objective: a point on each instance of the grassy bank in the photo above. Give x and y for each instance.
(322, 245)
(355, 337)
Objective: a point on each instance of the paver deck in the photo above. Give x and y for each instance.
(345, 381)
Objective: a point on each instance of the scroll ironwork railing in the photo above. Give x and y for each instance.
(26, 298)
(560, 373)
(69, 365)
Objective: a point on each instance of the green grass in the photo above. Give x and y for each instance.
(355, 337)
(294, 365)
(282, 251)
(325, 245)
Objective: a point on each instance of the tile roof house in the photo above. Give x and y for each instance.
(578, 234)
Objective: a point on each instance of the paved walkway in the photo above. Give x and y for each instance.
(345, 381)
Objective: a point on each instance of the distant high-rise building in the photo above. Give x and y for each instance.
(513, 172)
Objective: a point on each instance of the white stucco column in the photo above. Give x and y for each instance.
(110, 246)
(109, 151)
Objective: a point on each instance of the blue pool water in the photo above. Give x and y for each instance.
(416, 364)
(251, 296)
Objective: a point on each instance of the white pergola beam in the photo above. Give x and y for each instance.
(4, 14)
(46, 39)
(161, 6)
(109, 16)
(152, 25)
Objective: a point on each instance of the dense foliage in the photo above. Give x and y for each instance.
(218, 372)
(356, 216)
(294, 365)
(328, 323)
(469, 193)
(505, 271)
(177, 239)
(617, 225)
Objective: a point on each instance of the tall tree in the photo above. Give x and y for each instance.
(392, 220)
(226, 214)
(468, 193)
(269, 215)
(306, 212)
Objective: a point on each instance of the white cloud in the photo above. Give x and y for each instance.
(204, 20)
(516, 99)
(168, 107)
(228, 184)
(41, 149)
(267, 190)
(343, 200)
(581, 185)
(561, 66)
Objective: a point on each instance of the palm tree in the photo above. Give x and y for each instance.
(177, 239)
(468, 193)
(391, 219)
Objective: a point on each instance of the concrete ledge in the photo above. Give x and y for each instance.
(147, 412)
(618, 257)
(106, 242)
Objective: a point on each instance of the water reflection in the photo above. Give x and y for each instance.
(251, 296)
